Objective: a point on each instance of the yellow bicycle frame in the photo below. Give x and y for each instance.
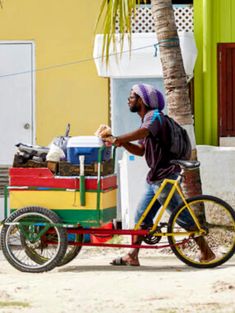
(175, 187)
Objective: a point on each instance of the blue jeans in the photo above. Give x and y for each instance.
(185, 221)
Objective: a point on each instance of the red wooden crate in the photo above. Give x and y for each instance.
(43, 177)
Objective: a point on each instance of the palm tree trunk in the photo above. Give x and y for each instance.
(175, 82)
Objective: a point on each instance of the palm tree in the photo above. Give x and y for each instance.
(175, 81)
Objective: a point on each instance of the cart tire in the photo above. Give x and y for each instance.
(70, 254)
(32, 241)
(72, 251)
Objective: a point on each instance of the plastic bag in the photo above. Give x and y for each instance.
(62, 141)
(55, 153)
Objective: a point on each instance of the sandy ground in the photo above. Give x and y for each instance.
(89, 284)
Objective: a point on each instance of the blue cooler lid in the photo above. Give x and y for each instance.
(85, 141)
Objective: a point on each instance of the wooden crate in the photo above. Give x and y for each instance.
(68, 169)
(30, 163)
(64, 168)
(67, 205)
(63, 195)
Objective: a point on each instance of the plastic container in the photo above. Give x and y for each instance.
(89, 147)
(105, 236)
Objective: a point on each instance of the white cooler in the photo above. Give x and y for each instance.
(89, 147)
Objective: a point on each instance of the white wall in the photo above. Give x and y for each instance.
(218, 171)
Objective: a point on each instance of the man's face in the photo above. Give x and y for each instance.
(133, 102)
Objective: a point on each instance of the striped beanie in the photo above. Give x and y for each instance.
(151, 97)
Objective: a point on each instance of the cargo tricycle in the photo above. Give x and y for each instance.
(50, 217)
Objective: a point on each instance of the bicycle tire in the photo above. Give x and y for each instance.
(219, 224)
(18, 248)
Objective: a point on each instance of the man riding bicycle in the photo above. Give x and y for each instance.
(152, 135)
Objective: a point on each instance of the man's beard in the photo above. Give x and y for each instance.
(134, 108)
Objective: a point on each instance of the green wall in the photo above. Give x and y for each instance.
(214, 22)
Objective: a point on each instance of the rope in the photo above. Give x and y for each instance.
(71, 63)
(164, 43)
(51, 67)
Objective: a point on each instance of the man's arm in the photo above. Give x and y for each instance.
(133, 148)
(124, 141)
(140, 133)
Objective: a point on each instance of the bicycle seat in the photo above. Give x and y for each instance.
(190, 165)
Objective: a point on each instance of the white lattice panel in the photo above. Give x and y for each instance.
(144, 23)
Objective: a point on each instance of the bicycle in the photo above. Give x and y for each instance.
(217, 226)
(36, 239)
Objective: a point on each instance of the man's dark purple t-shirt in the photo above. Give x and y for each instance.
(156, 150)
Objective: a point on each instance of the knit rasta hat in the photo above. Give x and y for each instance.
(151, 97)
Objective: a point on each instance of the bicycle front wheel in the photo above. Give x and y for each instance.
(216, 245)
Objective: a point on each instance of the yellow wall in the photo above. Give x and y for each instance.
(63, 32)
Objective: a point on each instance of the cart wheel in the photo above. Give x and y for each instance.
(32, 241)
(72, 251)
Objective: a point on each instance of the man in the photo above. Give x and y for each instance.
(153, 142)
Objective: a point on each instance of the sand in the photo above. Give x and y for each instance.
(89, 284)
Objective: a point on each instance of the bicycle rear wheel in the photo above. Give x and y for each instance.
(213, 248)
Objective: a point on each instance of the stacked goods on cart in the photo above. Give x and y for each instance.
(62, 156)
(76, 180)
(36, 156)
(30, 156)
(89, 147)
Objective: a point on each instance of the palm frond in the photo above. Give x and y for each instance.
(113, 13)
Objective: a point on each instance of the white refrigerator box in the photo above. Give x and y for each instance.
(133, 172)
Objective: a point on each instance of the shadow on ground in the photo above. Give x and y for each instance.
(110, 268)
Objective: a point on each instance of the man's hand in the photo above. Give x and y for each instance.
(111, 140)
(103, 131)
(108, 141)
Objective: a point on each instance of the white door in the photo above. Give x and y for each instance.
(16, 103)
(16, 97)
